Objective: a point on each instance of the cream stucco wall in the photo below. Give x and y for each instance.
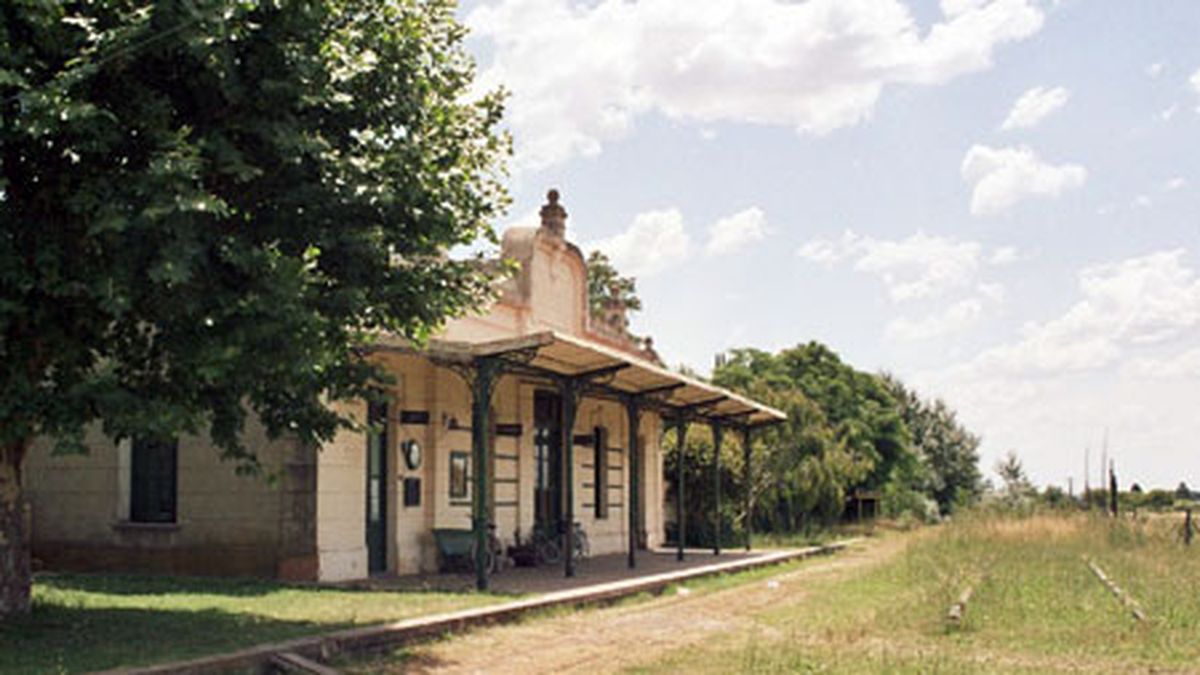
(341, 502)
(226, 523)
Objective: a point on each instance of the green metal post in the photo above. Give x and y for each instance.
(749, 479)
(633, 414)
(570, 391)
(680, 525)
(716, 436)
(481, 401)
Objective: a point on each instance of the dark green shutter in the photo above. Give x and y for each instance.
(154, 480)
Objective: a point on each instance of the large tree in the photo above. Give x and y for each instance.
(208, 207)
(948, 451)
(606, 284)
(843, 432)
(863, 417)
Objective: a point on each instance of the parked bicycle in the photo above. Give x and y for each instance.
(583, 548)
(548, 548)
(494, 555)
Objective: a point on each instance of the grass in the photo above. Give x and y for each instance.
(92, 622)
(1036, 608)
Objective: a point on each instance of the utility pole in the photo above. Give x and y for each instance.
(1104, 457)
(1112, 488)
(1087, 471)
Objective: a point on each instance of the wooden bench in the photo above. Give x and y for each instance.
(454, 548)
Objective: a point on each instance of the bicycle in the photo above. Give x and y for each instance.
(548, 549)
(583, 548)
(493, 555)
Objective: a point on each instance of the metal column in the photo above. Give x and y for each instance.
(680, 525)
(482, 386)
(633, 416)
(716, 437)
(570, 399)
(748, 496)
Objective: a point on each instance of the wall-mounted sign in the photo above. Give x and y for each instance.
(508, 429)
(414, 417)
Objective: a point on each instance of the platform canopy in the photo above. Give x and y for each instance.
(607, 371)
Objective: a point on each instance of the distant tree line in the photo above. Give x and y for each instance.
(847, 432)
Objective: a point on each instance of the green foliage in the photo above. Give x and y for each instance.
(843, 432)
(209, 207)
(948, 452)
(860, 414)
(1017, 493)
(901, 501)
(605, 284)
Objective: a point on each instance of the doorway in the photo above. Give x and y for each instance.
(377, 444)
(547, 443)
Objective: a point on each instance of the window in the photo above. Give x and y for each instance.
(600, 443)
(153, 481)
(458, 475)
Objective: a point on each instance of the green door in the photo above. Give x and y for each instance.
(377, 443)
(547, 443)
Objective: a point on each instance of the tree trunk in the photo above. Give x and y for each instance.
(15, 576)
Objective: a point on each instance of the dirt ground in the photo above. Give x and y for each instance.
(615, 638)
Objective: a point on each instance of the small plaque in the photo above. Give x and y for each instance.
(414, 417)
(508, 430)
(412, 491)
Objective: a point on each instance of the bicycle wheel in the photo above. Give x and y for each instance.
(490, 560)
(548, 552)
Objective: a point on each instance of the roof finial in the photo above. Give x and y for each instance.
(554, 216)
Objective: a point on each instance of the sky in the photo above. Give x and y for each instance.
(996, 200)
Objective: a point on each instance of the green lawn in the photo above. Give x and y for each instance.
(1037, 609)
(89, 622)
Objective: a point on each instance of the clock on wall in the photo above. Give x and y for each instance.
(412, 454)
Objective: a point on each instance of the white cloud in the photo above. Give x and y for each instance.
(827, 252)
(1001, 177)
(955, 318)
(991, 291)
(1005, 255)
(659, 239)
(1184, 365)
(1176, 183)
(656, 240)
(581, 75)
(921, 266)
(1137, 302)
(1195, 82)
(729, 234)
(1155, 69)
(1168, 112)
(1142, 202)
(1035, 105)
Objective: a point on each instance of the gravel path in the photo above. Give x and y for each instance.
(614, 638)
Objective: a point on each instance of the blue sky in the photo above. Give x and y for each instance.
(996, 200)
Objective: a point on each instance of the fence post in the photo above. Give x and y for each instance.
(1187, 526)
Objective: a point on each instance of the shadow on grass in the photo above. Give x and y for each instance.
(121, 584)
(56, 638)
(132, 584)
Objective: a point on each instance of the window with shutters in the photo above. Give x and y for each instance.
(153, 482)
